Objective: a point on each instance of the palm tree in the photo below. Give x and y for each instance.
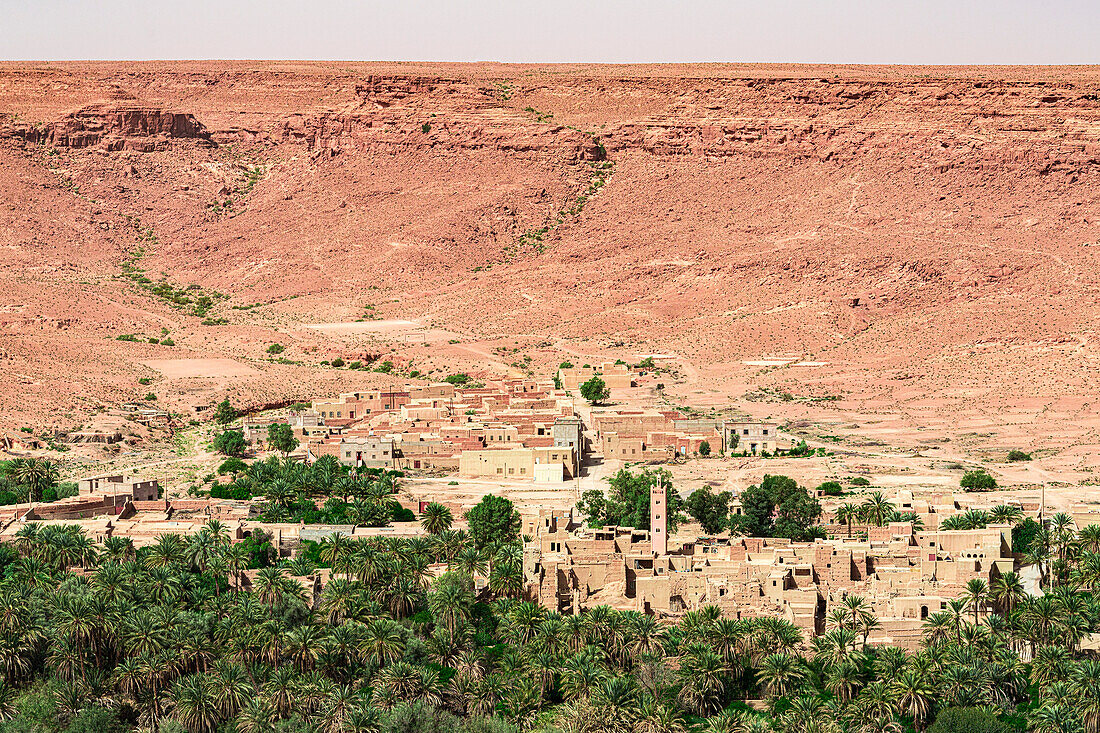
(281, 689)
(1006, 514)
(451, 599)
(977, 592)
(231, 688)
(436, 518)
(272, 585)
(383, 642)
(303, 645)
(779, 673)
(168, 550)
(1085, 688)
(877, 509)
(36, 474)
(843, 679)
(194, 704)
(506, 579)
(118, 549)
(704, 681)
(846, 514)
(914, 696)
(237, 559)
(257, 716)
(471, 560)
(1006, 590)
(1089, 537)
(580, 676)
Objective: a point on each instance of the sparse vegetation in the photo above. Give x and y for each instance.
(978, 480)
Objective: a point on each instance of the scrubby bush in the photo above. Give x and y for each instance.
(968, 720)
(232, 465)
(978, 480)
(1018, 455)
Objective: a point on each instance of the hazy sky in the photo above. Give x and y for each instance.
(843, 31)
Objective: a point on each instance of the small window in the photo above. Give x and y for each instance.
(765, 431)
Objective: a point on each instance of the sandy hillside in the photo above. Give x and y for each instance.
(903, 254)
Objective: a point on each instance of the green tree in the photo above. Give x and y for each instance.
(436, 518)
(709, 509)
(778, 507)
(704, 448)
(35, 475)
(451, 599)
(978, 480)
(493, 520)
(595, 390)
(626, 503)
(230, 443)
(1018, 455)
(225, 413)
(280, 436)
(1025, 536)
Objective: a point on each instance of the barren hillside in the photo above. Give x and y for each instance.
(925, 241)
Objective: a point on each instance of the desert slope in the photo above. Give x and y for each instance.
(924, 237)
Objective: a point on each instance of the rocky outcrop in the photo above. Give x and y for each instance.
(114, 126)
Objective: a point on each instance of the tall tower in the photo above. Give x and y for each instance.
(658, 518)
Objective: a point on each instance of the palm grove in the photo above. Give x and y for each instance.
(170, 637)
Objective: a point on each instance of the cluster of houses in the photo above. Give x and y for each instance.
(516, 429)
(905, 570)
(539, 431)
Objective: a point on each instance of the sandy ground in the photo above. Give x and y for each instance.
(184, 368)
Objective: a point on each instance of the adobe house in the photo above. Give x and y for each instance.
(749, 436)
(514, 463)
(367, 451)
(138, 489)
